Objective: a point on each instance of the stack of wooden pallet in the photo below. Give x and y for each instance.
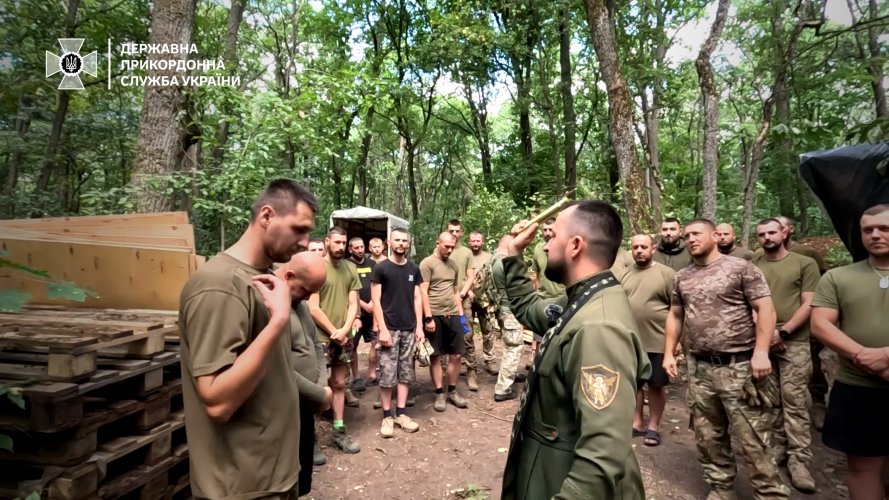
(100, 411)
(133, 261)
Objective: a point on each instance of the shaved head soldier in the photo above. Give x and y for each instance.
(792, 278)
(570, 438)
(377, 250)
(726, 243)
(713, 303)
(850, 314)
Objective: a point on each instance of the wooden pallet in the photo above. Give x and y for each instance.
(118, 467)
(56, 406)
(102, 418)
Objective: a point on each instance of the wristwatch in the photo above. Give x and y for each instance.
(783, 334)
(427, 319)
(462, 295)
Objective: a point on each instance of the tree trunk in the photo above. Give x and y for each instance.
(22, 123)
(230, 54)
(398, 207)
(653, 116)
(568, 115)
(876, 61)
(710, 105)
(785, 168)
(620, 120)
(362, 161)
(480, 125)
(411, 184)
(159, 146)
(550, 120)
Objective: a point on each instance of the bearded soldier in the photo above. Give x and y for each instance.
(571, 438)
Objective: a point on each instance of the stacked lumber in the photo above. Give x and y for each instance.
(133, 261)
(102, 417)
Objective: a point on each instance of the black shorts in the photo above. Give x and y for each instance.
(365, 332)
(448, 336)
(855, 423)
(659, 376)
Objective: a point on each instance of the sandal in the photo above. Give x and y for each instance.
(651, 435)
(638, 433)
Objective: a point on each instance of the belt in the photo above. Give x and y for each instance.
(725, 359)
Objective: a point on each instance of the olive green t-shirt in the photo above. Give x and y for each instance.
(546, 289)
(741, 253)
(444, 279)
(801, 249)
(863, 306)
(650, 291)
(462, 256)
(307, 354)
(622, 260)
(788, 279)
(334, 295)
(255, 453)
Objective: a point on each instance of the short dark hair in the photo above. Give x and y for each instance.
(602, 228)
(549, 221)
(876, 209)
(354, 239)
(769, 221)
(336, 230)
(701, 220)
(283, 195)
(400, 230)
(671, 220)
(455, 222)
(476, 233)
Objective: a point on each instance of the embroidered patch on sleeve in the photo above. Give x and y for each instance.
(599, 384)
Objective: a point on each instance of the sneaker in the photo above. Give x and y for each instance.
(344, 441)
(378, 403)
(492, 369)
(359, 385)
(471, 382)
(521, 378)
(318, 457)
(800, 476)
(387, 430)
(512, 394)
(722, 495)
(407, 423)
(410, 401)
(457, 400)
(373, 382)
(351, 400)
(440, 402)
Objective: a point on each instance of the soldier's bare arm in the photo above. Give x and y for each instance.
(671, 334)
(601, 362)
(765, 329)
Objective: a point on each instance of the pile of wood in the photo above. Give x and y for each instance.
(102, 414)
(133, 261)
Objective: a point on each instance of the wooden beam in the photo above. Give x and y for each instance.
(102, 220)
(39, 320)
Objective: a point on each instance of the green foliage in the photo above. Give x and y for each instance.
(838, 256)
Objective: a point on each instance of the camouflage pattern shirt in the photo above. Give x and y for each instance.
(716, 298)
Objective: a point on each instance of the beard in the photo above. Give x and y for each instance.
(399, 251)
(555, 271)
(338, 254)
(726, 246)
(772, 245)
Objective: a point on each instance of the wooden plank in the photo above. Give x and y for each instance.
(89, 386)
(39, 342)
(61, 320)
(159, 218)
(180, 231)
(123, 364)
(102, 333)
(136, 241)
(123, 277)
(136, 315)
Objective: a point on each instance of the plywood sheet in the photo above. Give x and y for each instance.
(123, 240)
(125, 278)
(102, 220)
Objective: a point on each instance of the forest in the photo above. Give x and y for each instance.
(485, 110)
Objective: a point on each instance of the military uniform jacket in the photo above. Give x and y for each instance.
(574, 441)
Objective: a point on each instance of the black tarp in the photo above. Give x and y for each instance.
(848, 181)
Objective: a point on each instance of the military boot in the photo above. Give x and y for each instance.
(492, 368)
(722, 495)
(457, 400)
(318, 457)
(351, 400)
(472, 382)
(800, 476)
(344, 441)
(441, 403)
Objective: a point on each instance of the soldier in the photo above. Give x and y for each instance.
(545, 288)
(726, 234)
(792, 279)
(649, 286)
(482, 308)
(793, 246)
(510, 328)
(671, 248)
(316, 245)
(850, 313)
(623, 260)
(377, 250)
(712, 303)
(462, 256)
(571, 438)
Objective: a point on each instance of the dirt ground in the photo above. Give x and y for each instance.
(459, 448)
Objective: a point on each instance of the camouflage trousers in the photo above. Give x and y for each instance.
(513, 346)
(719, 413)
(397, 361)
(471, 310)
(792, 427)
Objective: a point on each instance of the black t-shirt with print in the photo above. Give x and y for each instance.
(397, 284)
